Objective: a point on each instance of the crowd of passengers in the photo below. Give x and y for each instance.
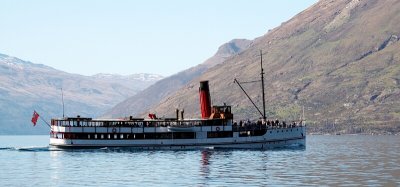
(247, 124)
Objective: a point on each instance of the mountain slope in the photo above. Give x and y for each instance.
(147, 98)
(25, 87)
(338, 59)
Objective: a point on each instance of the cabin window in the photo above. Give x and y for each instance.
(115, 136)
(221, 134)
(88, 136)
(95, 136)
(149, 136)
(184, 135)
(138, 136)
(167, 135)
(102, 136)
(109, 136)
(121, 136)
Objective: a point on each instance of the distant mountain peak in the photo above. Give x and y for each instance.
(227, 50)
(233, 47)
(12, 62)
(147, 77)
(19, 64)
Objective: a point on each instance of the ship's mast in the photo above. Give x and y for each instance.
(262, 87)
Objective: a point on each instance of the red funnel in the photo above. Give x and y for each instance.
(205, 99)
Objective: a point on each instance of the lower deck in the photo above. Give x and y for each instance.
(256, 138)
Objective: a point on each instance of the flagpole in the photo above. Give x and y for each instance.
(62, 97)
(44, 121)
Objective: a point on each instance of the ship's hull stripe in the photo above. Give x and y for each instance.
(176, 145)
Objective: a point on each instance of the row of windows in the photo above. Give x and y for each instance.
(168, 135)
(114, 136)
(221, 134)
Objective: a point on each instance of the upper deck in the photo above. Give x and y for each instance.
(220, 116)
(137, 122)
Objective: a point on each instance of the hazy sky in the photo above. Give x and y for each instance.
(132, 36)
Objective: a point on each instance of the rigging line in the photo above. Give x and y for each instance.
(44, 121)
(236, 81)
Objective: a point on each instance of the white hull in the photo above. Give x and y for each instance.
(273, 138)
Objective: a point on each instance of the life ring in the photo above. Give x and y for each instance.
(114, 130)
(217, 129)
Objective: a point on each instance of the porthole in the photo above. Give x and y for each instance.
(102, 136)
(95, 136)
(109, 136)
(115, 136)
(121, 136)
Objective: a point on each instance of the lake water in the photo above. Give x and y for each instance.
(326, 161)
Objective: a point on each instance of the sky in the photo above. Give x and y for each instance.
(133, 36)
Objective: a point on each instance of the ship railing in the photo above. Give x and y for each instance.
(138, 123)
(255, 126)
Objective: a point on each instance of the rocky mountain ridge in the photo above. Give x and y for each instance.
(339, 60)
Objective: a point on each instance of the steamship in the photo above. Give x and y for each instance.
(215, 129)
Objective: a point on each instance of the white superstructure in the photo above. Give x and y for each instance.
(172, 134)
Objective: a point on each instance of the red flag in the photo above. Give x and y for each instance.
(35, 117)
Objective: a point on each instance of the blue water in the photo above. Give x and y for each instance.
(326, 161)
